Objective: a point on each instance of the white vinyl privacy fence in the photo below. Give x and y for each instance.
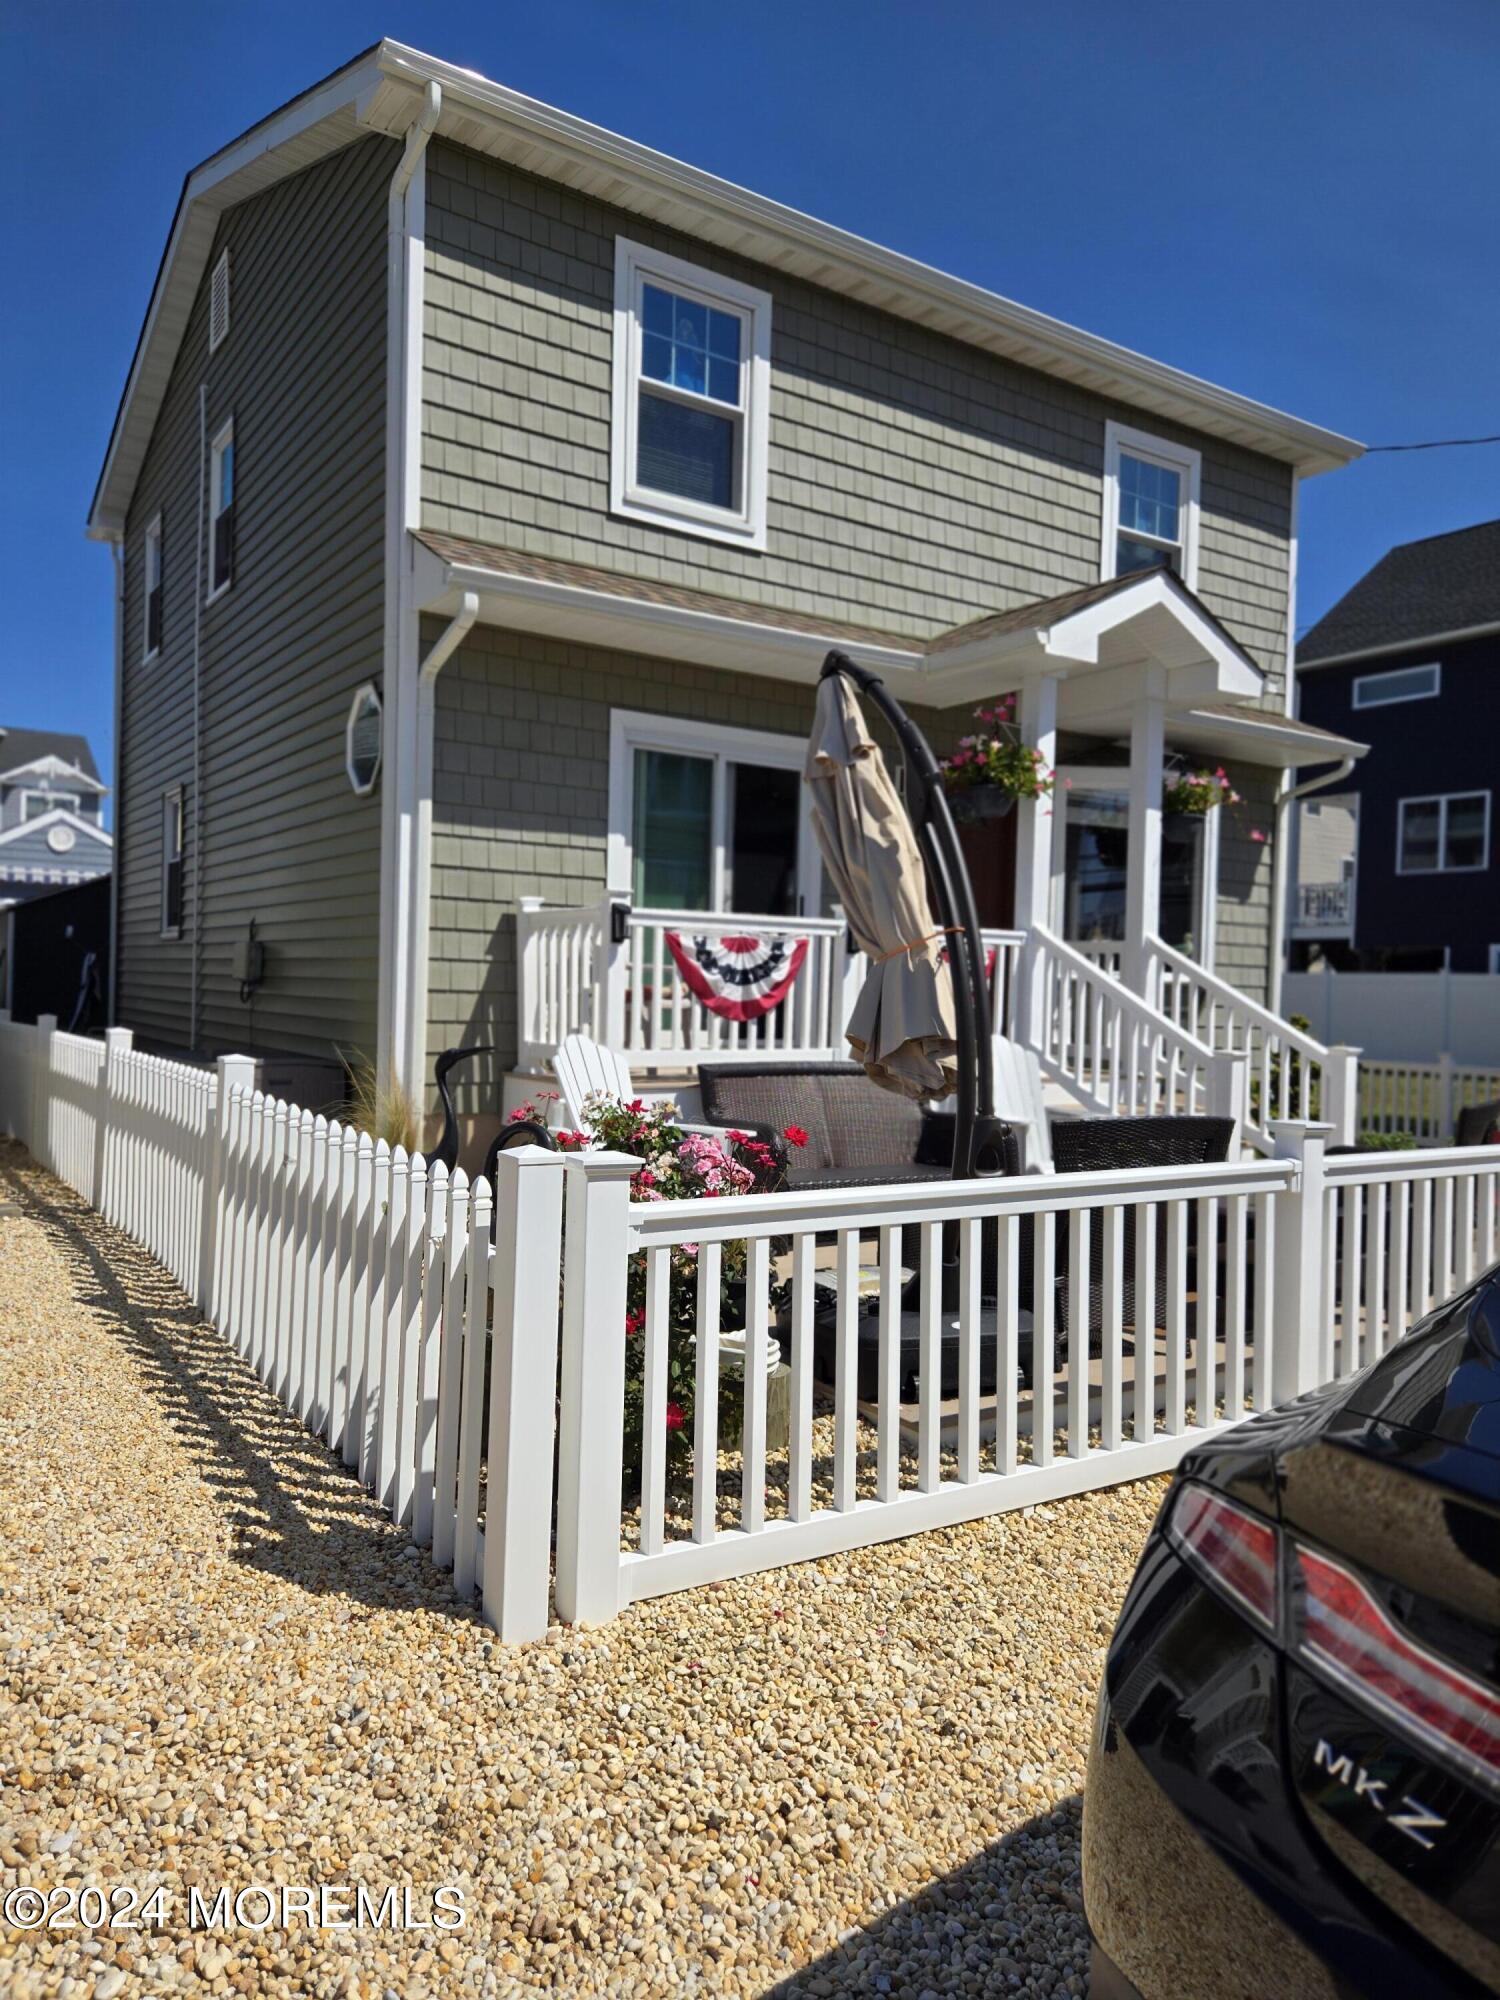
(558, 1389)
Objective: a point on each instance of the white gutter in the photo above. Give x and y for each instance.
(1418, 640)
(405, 252)
(117, 551)
(1287, 796)
(414, 1056)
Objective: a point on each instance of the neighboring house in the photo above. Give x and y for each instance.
(1397, 867)
(50, 803)
(536, 472)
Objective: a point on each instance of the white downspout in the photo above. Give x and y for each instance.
(117, 550)
(1279, 891)
(441, 651)
(402, 510)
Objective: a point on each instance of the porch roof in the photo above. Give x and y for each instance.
(1099, 642)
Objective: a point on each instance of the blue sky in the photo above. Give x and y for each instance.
(1298, 200)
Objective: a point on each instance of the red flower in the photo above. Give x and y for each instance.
(636, 1104)
(675, 1418)
(794, 1135)
(633, 1323)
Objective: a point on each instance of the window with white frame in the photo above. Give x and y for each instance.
(221, 512)
(153, 608)
(705, 817)
(362, 739)
(35, 803)
(1400, 684)
(171, 863)
(691, 398)
(1150, 504)
(1444, 835)
(218, 304)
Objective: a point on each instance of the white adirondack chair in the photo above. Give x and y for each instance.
(1020, 1100)
(586, 1069)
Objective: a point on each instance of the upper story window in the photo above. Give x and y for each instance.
(171, 863)
(1150, 504)
(1400, 684)
(43, 800)
(153, 589)
(221, 512)
(218, 304)
(691, 402)
(1447, 835)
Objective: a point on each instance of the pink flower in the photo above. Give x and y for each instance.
(633, 1323)
(1257, 836)
(795, 1135)
(675, 1417)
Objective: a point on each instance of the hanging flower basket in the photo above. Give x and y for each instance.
(993, 768)
(1191, 794)
(972, 803)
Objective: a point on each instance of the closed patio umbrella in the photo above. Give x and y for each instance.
(902, 1025)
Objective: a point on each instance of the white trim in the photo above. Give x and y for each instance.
(745, 526)
(636, 729)
(1418, 642)
(1178, 458)
(356, 700)
(1442, 800)
(223, 439)
(52, 766)
(171, 800)
(153, 540)
(218, 303)
(61, 816)
(65, 802)
(1362, 681)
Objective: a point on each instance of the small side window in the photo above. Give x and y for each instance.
(153, 590)
(171, 863)
(362, 739)
(221, 512)
(218, 304)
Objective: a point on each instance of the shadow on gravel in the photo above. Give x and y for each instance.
(1009, 1922)
(291, 1507)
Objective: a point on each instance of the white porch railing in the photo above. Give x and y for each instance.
(579, 974)
(1292, 1076)
(1096, 1326)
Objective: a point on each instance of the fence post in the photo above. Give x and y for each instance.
(1446, 1118)
(231, 1073)
(117, 1042)
(1229, 1094)
(1300, 1250)
(527, 1266)
(38, 1139)
(592, 1419)
(612, 975)
(1340, 1106)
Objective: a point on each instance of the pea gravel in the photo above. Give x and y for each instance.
(219, 1664)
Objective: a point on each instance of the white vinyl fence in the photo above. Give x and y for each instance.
(883, 1361)
(1421, 1098)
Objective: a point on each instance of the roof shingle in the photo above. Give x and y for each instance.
(1445, 583)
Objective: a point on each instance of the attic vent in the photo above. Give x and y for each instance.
(218, 304)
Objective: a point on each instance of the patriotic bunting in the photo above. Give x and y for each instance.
(740, 978)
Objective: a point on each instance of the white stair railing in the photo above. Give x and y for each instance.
(1292, 1075)
(1110, 1047)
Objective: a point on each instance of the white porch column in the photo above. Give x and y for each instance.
(1143, 846)
(1036, 718)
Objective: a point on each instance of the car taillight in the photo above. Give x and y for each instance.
(1347, 1635)
(1233, 1551)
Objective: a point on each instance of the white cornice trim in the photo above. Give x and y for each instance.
(1422, 642)
(59, 816)
(52, 766)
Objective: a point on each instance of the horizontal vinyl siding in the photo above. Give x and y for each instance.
(914, 482)
(284, 839)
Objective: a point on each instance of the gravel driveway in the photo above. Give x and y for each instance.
(223, 1666)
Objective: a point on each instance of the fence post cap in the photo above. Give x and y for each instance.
(1306, 1128)
(119, 1038)
(1343, 1049)
(603, 1166)
(532, 1156)
(46, 1024)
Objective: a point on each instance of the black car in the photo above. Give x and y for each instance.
(1294, 1783)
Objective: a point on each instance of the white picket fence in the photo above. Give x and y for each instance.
(910, 1356)
(1424, 1099)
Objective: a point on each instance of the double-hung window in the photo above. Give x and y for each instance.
(1444, 835)
(171, 863)
(1150, 504)
(153, 589)
(221, 512)
(691, 394)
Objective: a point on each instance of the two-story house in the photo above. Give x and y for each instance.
(1397, 870)
(487, 489)
(51, 799)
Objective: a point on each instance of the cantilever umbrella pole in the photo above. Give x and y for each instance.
(974, 1147)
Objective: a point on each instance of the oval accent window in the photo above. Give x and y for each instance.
(61, 838)
(362, 739)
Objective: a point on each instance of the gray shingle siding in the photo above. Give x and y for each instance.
(914, 481)
(283, 838)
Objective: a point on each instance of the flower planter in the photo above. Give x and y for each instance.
(974, 803)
